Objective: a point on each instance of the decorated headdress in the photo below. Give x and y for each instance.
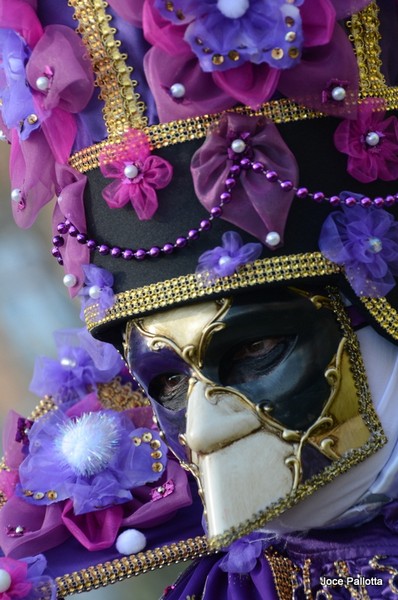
(197, 151)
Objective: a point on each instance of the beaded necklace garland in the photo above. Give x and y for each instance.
(245, 164)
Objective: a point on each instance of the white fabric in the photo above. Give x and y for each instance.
(357, 495)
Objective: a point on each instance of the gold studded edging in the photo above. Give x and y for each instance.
(183, 289)
(383, 313)
(365, 36)
(129, 566)
(184, 130)
(122, 108)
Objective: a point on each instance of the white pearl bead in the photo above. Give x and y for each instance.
(94, 292)
(224, 260)
(338, 93)
(3, 136)
(376, 245)
(233, 9)
(68, 363)
(19, 529)
(42, 83)
(372, 138)
(130, 171)
(272, 238)
(69, 280)
(5, 580)
(238, 146)
(177, 90)
(16, 195)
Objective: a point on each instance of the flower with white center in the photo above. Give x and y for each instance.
(92, 459)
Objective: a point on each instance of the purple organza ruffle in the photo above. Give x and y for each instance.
(369, 162)
(226, 259)
(258, 206)
(365, 243)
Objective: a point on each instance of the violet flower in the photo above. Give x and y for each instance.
(94, 460)
(77, 369)
(238, 31)
(16, 96)
(25, 579)
(365, 242)
(243, 554)
(239, 51)
(137, 175)
(97, 288)
(371, 143)
(226, 259)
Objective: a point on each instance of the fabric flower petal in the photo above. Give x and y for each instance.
(257, 206)
(71, 83)
(306, 83)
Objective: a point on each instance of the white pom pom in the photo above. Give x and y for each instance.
(233, 9)
(130, 541)
(5, 581)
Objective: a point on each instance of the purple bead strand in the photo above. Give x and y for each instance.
(67, 228)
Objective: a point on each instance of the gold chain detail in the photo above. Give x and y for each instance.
(120, 396)
(279, 269)
(283, 572)
(122, 109)
(128, 566)
(45, 405)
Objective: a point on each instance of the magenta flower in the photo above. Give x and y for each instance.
(39, 102)
(365, 243)
(371, 143)
(137, 175)
(226, 259)
(24, 579)
(227, 52)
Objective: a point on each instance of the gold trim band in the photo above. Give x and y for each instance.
(164, 294)
(129, 566)
(122, 108)
(195, 128)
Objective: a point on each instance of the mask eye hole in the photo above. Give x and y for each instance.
(253, 359)
(170, 390)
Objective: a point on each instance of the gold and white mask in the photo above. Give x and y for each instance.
(263, 398)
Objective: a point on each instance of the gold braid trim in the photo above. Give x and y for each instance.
(129, 566)
(122, 109)
(164, 294)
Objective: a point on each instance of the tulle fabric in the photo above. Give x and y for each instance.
(32, 170)
(257, 205)
(70, 188)
(21, 17)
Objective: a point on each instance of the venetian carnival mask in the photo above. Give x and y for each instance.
(262, 397)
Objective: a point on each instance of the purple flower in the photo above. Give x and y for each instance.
(77, 369)
(371, 143)
(365, 242)
(25, 579)
(16, 96)
(244, 52)
(226, 259)
(243, 554)
(238, 31)
(94, 459)
(97, 288)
